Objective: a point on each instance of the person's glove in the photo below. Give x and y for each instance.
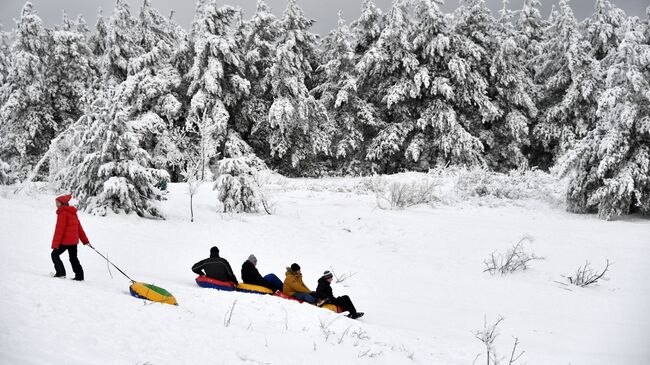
(89, 245)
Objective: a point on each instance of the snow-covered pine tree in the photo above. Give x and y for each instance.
(479, 119)
(97, 41)
(529, 32)
(27, 121)
(603, 28)
(121, 44)
(5, 64)
(5, 59)
(390, 77)
(298, 127)
(258, 39)
(106, 166)
(367, 28)
(353, 117)
(152, 87)
(571, 82)
(530, 27)
(70, 71)
(236, 174)
(238, 191)
(6, 176)
(216, 78)
(107, 170)
(454, 87)
(217, 89)
(610, 167)
(512, 91)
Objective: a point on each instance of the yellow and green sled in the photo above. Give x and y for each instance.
(152, 293)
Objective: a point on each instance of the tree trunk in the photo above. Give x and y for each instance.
(191, 207)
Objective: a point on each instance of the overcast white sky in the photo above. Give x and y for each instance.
(323, 11)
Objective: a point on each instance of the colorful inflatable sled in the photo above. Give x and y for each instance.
(207, 282)
(284, 296)
(332, 307)
(256, 289)
(152, 293)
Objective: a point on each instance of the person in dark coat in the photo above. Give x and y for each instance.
(324, 292)
(250, 275)
(67, 234)
(215, 267)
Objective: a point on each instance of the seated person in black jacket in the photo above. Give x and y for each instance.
(250, 275)
(215, 267)
(324, 292)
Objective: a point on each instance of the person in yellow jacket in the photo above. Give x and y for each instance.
(293, 285)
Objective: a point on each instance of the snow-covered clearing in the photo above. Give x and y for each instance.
(418, 276)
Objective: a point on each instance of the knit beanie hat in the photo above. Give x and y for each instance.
(214, 251)
(327, 275)
(252, 259)
(295, 267)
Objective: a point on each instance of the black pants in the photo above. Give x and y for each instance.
(345, 303)
(58, 264)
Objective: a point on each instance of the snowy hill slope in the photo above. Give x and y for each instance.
(418, 275)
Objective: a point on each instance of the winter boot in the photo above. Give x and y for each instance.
(355, 315)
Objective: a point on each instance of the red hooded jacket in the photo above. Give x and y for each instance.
(68, 228)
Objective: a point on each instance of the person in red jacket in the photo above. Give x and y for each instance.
(67, 234)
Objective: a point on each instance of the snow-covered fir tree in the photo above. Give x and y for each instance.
(106, 166)
(297, 126)
(97, 41)
(235, 182)
(387, 79)
(570, 77)
(27, 122)
(456, 105)
(474, 51)
(5, 58)
(70, 70)
(5, 63)
(217, 89)
(121, 44)
(152, 87)
(529, 33)
(530, 26)
(610, 167)
(513, 92)
(367, 28)
(107, 170)
(603, 28)
(258, 38)
(216, 79)
(72, 73)
(6, 176)
(352, 116)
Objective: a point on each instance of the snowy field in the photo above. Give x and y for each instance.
(417, 274)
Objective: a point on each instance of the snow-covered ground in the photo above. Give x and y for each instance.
(417, 274)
